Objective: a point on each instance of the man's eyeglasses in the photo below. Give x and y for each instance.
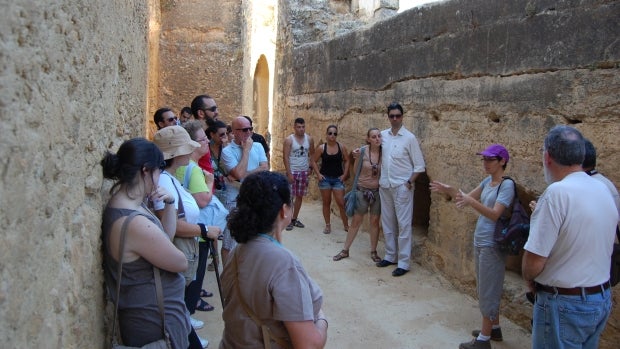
(221, 134)
(394, 116)
(171, 119)
(245, 129)
(212, 109)
(332, 133)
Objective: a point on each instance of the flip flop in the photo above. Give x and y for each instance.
(204, 306)
(205, 293)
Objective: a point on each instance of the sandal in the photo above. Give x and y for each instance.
(204, 306)
(205, 293)
(375, 257)
(346, 228)
(328, 229)
(341, 255)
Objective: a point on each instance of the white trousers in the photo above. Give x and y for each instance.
(396, 219)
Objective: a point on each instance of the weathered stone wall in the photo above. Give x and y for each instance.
(73, 77)
(200, 52)
(468, 73)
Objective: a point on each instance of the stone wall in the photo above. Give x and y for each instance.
(468, 73)
(200, 52)
(73, 78)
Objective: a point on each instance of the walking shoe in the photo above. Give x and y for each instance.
(496, 334)
(384, 263)
(291, 225)
(196, 324)
(298, 224)
(204, 342)
(475, 344)
(399, 272)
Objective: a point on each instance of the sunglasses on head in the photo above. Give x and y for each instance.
(245, 129)
(332, 133)
(212, 109)
(394, 116)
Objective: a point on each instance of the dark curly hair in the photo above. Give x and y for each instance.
(131, 157)
(261, 197)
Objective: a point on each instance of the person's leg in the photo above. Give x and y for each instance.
(326, 197)
(403, 205)
(374, 231)
(339, 198)
(195, 286)
(490, 271)
(389, 223)
(352, 233)
(297, 206)
(194, 341)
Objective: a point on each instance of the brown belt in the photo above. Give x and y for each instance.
(575, 291)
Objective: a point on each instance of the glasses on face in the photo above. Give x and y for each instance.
(203, 139)
(332, 133)
(212, 109)
(221, 134)
(394, 116)
(171, 119)
(245, 129)
(375, 170)
(490, 158)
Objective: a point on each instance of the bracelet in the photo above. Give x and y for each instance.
(203, 231)
(171, 202)
(324, 319)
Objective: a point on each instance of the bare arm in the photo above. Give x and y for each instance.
(345, 163)
(532, 265)
(286, 152)
(315, 157)
(311, 152)
(188, 230)
(145, 239)
(239, 172)
(492, 213)
(307, 334)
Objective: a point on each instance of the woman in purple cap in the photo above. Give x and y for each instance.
(489, 199)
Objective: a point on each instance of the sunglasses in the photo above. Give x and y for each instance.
(221, 134)
(174, 118)
(301, 151)
(332, 133)
(212, 109)
(245, 129)
(394, 116)
(375, 170)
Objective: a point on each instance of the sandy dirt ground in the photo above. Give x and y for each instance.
(366, 306)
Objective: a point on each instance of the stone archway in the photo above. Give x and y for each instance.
(260, 99)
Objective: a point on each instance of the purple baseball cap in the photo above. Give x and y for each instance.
(495, 150)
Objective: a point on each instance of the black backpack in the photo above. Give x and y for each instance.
(513, 227)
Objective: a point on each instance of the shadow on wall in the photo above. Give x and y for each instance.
(422, 203)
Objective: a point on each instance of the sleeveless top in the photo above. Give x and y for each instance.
(138, 313)
(331, 165)
(298, 158)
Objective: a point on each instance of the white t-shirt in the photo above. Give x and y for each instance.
(189, 203)
(574, 227)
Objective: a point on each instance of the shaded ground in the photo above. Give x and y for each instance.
(369, 308)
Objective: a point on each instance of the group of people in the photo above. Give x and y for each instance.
(194, 185)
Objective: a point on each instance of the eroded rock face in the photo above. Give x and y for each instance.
(73, 86)
(467, 74)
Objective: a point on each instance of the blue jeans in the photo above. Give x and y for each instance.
(331, 183)
(569, 321)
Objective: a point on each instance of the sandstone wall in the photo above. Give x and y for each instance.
(73, 84)
(200, 52)
(468, 73)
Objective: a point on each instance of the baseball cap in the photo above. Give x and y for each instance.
(174, 141)
(495, 150)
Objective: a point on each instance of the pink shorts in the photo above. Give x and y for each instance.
(299, 187)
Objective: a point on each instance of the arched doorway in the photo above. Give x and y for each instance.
(260, 99)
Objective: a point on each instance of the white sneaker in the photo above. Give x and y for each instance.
(196, 324)
(204, 342)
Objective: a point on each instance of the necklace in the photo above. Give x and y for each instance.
(375, 170)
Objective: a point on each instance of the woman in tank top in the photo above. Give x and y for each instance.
(332, 174)
(136, 168)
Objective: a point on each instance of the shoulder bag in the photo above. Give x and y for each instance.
(350, 198)
(163, 343)
(513, 227)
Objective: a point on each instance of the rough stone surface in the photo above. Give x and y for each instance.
(468, 73)
(73, 77)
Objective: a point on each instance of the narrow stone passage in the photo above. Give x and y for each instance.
(369, 308)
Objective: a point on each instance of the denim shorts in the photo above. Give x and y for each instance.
(331, 183)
